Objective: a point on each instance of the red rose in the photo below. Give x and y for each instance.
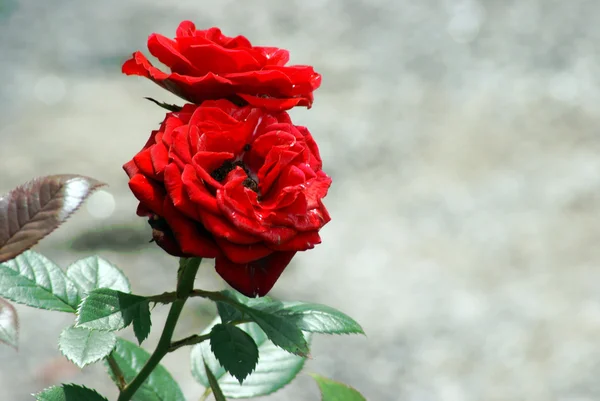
(205, 64)
(239, 184)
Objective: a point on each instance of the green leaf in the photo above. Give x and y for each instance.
(110, 310)
(316, 318)
(69, 392)
(9, 324)
(170, 107)
(214, 385)
(280, 331)
(235, 350)
(142, 323)
(230, 313)
(94, 272)
(34, 280)
(336, 391)
(83, 346)
(274, 370)
(159, 386)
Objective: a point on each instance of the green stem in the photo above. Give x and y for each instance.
(191, 340)
(185, 285)
(117, 372)
(197, 339)
(206, 393)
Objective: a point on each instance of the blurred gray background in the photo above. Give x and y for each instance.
(462, 138)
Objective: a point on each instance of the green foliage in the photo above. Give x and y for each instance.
(283, 322)
(83, 346)
(110, 310)
(280, 331)
(262, 343)
(159, 386)
(336, 391)
(316, 318)
(214, 385)
(34, 280)
(274, 370)
(69, 392)
(234, 349)
(234, 310)
(94, 272)
(9, 324)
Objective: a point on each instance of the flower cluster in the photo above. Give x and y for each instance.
(228, 175)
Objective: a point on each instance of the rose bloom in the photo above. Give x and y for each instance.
(239, 184)
(205, 64)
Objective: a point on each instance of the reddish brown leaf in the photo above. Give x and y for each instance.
(9, 324)
(33, 210)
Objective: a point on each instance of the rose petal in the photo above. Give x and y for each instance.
(167, 52)
(177, 193)
(301, 242)
(197, 192)
(130, 168)
(274, 103)
(255, 278)
(219, 227)
(242, 253)
(143, 161)
(190, 235)
(148, 192)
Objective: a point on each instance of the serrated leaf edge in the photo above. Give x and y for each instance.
(240, 380)
(93, 361)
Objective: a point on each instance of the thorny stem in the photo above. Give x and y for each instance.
(117, 372)
(185, 285)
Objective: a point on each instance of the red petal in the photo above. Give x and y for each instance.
(276, 160)
(273, 55)
(190, 235)
(181, 145)
(143, 161)
(160, 157)
(275, 104)
(186, 28)
(198, 192)
(255, 278)
(219, 60)
(316, 189)
(177, 193)
(301, 242)
(130, 168)
(210, 161)
(139, 65)
(242, 253)
(219, 227)
(232, 212)
(167, 52)
(148, 192)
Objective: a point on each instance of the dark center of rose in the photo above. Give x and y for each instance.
(219, 174)
(160, 228)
